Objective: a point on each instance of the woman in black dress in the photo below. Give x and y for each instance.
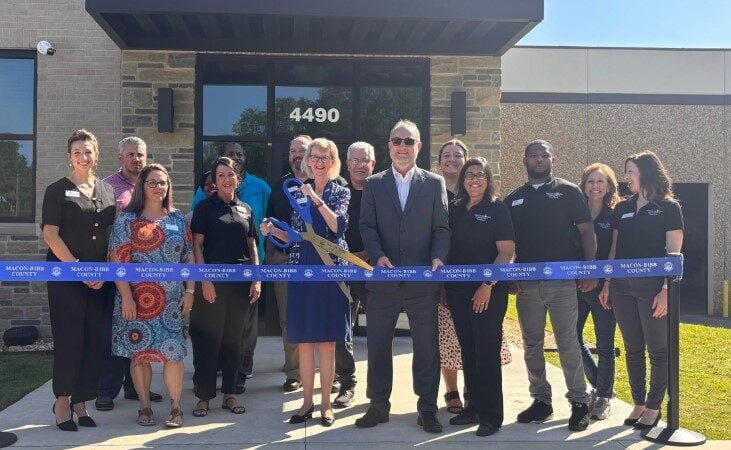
(78, 211)
(482, 233)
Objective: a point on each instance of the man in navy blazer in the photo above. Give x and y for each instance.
(404, 222)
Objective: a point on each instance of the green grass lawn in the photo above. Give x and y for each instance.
(20, 374)
(705, 375)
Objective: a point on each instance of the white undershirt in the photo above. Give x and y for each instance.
(403, 184)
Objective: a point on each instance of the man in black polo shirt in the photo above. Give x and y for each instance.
(547, 212)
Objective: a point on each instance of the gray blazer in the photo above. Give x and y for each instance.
(413, 237)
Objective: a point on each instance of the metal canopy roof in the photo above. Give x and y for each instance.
(368, 27)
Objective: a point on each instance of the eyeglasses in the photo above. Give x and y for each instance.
(321, 159)
(475, 176)
(154, 183)
(359, 162)
(409, 142)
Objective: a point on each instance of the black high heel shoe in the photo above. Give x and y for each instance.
(644, 426)
(299, 419)
(84, 421)
(68, 425)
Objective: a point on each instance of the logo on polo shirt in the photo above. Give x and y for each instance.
(668, 266)
(309, 273)
(608, 269)
(428, 274)
(56, 271)
(604, 225)
(121, 272)
(482, 217)
(654, 212)
(554, 195)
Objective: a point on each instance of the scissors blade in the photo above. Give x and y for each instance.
(328, 261)
(330, 247)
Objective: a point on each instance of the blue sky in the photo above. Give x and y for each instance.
(634, 23)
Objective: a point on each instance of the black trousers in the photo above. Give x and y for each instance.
(248, 342)
(217, 328)
(381, 314)
(82, 331)
(480, 337)
(344, 356)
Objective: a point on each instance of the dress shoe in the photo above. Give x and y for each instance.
(371, 418)
(104, 404)
(466, 417)
(131, 394)
(68, 425)
(327, 421)
(428, 421)
(291, 385)
(299, 419)
(84, 421)
(646, 426)
(344, 398)
(486, 429)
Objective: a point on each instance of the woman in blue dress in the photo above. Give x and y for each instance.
(318, 313)
(148, 316)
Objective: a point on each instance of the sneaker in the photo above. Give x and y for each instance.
(291, 385)
(579, 420)
(344, 398)
(538, 412)
(602, 408)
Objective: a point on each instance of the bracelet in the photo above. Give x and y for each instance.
(318, 204)
(190, 291)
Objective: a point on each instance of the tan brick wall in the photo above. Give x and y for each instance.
(142, 74)
(77, 87)
(480, 79)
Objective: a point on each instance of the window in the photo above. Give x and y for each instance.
(17, 136)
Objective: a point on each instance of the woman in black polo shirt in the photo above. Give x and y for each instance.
(482, 233)
(223, 233)
(599, 186)
(78, 211)
(649, 224)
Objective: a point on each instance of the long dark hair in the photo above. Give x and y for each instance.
(137, 204)
(655, 182)
(462, 198)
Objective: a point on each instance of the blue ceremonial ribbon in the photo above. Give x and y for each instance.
(564, 270)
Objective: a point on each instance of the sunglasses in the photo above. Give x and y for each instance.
(409, 142)
(154, 183)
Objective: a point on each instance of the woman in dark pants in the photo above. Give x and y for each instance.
(482, 233)
(649, 224)
(78, 212)
(223, 233)
(599, 186)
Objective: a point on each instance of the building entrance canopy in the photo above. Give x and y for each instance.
(355, 27)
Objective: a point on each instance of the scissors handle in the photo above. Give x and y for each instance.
(292, 235)
(303, 208)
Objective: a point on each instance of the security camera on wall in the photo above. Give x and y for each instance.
(45, 48)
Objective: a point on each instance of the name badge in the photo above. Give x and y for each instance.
(171, 226)
(72, 193)
(628, 215)
(240, 209)
(517, 202)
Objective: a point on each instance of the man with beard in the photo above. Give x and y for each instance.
(547, 212)
(115, 369)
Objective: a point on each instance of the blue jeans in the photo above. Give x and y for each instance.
(599, 373)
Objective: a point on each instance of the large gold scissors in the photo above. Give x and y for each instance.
(324, 247)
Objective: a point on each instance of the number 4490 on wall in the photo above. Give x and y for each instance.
(316, 114)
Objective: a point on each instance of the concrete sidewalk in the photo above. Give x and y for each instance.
(268, 408)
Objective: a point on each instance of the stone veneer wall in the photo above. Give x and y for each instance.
(143, 72)
(77, 87)
(480, 78)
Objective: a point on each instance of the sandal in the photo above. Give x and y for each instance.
(236, 408)
(175, 419)
(450, 396)
(201, 408)
(144, 417)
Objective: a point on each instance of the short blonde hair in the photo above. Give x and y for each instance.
(323, 144)
(404, 123)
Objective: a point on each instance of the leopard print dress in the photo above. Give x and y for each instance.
(450, 352)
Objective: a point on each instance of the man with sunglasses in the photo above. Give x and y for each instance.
(411, 228)
(114, 374)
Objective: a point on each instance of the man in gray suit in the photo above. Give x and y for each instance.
(408, 227)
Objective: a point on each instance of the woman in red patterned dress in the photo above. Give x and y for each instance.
(148, 316)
